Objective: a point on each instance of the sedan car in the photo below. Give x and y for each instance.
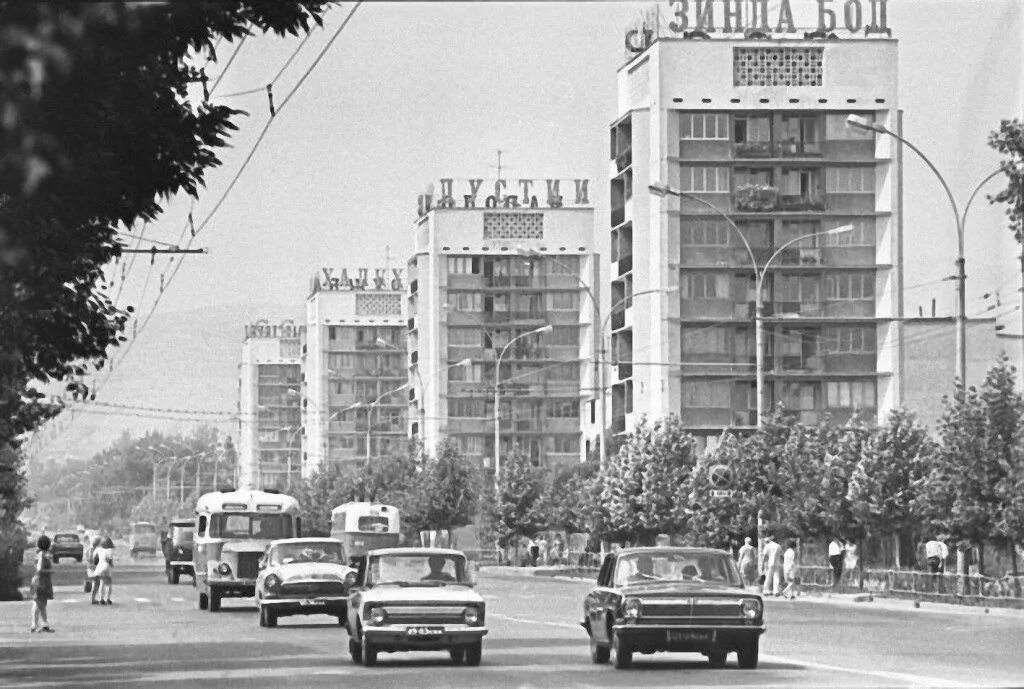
(66, 545)
(672, 599)
(302, 576)
(415, 599)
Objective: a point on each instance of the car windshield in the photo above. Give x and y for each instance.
(318, 551)
(637, 568)
(418, 569)
(65, 538)
(143, 529)
(181, 535)
(270, 526)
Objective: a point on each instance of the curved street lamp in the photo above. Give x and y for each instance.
(662, 189)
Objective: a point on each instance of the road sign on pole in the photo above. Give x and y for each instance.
(721, 493)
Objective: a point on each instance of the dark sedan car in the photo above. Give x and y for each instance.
(672, 599)
(66, 545)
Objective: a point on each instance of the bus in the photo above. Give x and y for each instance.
(364, 526)
(232, 532)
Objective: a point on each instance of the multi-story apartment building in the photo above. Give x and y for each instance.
(756, 130)
(354, 362)
(269, 430)
(485, 273)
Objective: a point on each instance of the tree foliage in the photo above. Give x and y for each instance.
(519, 507)
(1009, 141)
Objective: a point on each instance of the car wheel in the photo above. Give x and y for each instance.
(175, 575)
(716, 659)
(457, 655)
(369, 652)
(214, 601)
(599, 653)
(747, 654)
(263, 616)
(623, 652)
(204, 601)
(355, 650)
(474, 652)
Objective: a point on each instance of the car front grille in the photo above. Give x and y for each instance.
(312, 588)
(248, 565)
(691, 608)
(424, 614)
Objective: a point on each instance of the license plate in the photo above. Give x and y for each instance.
(424, 631)
(310, 603)
(690, 636)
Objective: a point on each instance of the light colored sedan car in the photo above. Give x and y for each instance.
(415, 599)
(302, 576)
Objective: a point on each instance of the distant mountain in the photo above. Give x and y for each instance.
(183, 360)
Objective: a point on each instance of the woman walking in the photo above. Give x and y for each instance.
(789, 571)
(104, 558)
(42, 586)
(91, 560)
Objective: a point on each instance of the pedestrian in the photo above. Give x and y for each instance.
(789, 570)
(534, 552)
(542, 547)
(92, 582)
(771, 567)
(557, 550)
(850, 560)
(42, 586)
(836, 551)
(747, 562)
(935, 553)
(104, 558)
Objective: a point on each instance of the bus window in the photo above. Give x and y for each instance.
(250, 526)
(298, 527)
(202, 525)
(373, 524)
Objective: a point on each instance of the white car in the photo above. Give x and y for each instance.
(302, 576)
(415, 599)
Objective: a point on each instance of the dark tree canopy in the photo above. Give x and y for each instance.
(1009, 141)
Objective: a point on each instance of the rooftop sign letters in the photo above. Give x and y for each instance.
(385, 279)
(704, 18)
(507, 193)
(262, 328)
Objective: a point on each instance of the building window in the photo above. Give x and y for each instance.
(850, 180)
(332, 332)
(463, 265)
(703, 126)
(777, 66)
(849, 340)
(465, 337)
(858, 394)
(707, 179)
(850, 286)
(515, 225)
(563, 301)
(466, 301)
(466, 409)
(704, 286)
(862, 234)
(705, 341)
(752, 129)
(704, 233)
(564, 337)
(563, 265)
(565, 410)
(798, 396)
(565, 444)
(565, 372)
(707, 394)
(343, 387)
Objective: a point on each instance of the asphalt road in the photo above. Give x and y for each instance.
(154, 635)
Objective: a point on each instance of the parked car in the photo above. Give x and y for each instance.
(66, 544)
(302, 576)
(414, 599)
(672, 599)
(178, 550)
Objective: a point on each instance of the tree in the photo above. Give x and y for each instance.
(516, 509)
(445, 493)
(100, 128)
(1009, 141)
(568, 500)
(890, 475)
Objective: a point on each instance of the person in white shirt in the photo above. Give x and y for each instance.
(103, 571)
(789, 570)
(771, 567)
(836, 551)
(936, 552)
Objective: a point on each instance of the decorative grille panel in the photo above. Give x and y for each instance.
(370, 304)
(777, 66)
(513, 225)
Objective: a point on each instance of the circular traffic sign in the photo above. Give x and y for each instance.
(720, 476)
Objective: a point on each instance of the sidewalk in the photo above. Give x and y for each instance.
(860, 600)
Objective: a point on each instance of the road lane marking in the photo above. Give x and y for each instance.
(70, 600)
(560, 625)
(142, 600)
(178, 600)
(913, 680)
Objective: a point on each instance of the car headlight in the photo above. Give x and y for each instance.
(224, 568)
(376, 617)
(631, 608)
(751, 608)
(272, 581)
(471, 616)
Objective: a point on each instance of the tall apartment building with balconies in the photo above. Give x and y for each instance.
(486, 271)
(354, 366)
(269, 385)
(757, 130)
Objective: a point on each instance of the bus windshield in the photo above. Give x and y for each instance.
(142, 528)
(248, 525)
(373, 524)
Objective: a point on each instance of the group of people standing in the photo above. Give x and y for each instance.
(777, 569)
(99, 570)
(99, 558)
(540, 552)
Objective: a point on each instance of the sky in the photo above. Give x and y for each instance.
(413, 92)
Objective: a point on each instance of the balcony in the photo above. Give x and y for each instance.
(801, 202)
(625, 264)
(756, 198)
(752, 149)
(798, 149)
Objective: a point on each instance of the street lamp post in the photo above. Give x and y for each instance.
(497, 396)
(662, 189)
(858, 122)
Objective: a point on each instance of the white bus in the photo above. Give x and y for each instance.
(364, 526)
(232, 531)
